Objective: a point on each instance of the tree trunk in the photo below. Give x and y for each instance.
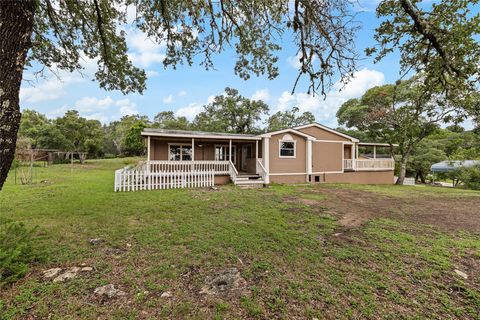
(16, 24)
(403, 170)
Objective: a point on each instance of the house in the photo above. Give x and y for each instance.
(310, 153)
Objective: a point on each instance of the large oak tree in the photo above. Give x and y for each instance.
(59, 33)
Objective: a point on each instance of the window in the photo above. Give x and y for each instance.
(180, 152)
(222, 153)
(287, 147)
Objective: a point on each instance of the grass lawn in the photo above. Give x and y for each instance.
(305, 251)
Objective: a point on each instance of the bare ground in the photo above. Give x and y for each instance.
(353, 208)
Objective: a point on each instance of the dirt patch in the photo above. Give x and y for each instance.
(353, 208)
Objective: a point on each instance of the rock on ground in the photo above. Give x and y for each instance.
(166, 294)
(461, 274)
(62, 275)
(51, 273)
(96, 241)
(108, 291)
(225, 282)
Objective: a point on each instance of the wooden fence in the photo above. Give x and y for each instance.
(134, 179)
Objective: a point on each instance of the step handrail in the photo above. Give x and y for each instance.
(233, 171)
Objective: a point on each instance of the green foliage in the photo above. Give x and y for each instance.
(289, 119)
(426, 153)
(438, 40)
(16, 250)
(231, 112)
(469, 176)
(134, 144)
(168, 120)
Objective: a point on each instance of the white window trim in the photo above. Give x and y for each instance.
(234, 151)
(181, 145)
(294, 149)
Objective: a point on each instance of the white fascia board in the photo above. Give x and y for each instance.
(327, 129)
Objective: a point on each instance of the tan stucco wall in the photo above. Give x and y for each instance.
(301, 178)
(370, 177)
(327, 156)
(322, 134)
(287, 165)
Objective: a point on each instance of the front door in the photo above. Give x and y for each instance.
(245, 149)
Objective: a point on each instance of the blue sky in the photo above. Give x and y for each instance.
(187, 89)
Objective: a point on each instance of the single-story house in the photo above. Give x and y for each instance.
(311, 153)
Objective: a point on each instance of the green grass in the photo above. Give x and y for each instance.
(284, 247)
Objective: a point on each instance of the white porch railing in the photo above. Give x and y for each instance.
(153, 175)
(232, 171)
(219, 167)
(261, 170)
(348, 164)
(134, 179)
(369, 164)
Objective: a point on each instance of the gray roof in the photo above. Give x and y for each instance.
(186, 133)
(452, 165)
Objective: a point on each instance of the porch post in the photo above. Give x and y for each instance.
(266, 158)
(230, 150)
(374, 152)
(256, 156)
(193, 149)
(148, 148)
(309, 159)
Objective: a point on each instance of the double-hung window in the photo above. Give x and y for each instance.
(287, 147)
(222, 153)
(180, 152)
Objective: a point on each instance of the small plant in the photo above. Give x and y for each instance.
(16, 250)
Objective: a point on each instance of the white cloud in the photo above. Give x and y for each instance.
(92, 104)
(182, 93)
(48, 90)
(325, 109)
(210, 99)
(189, 111)
(262, 94)
(127, 107)
(152, 73)
(104, 109)
(144, 52)
(168, 99)
(294, 61)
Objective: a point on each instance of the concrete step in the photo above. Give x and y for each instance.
(249, 183)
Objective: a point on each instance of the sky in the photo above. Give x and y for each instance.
(186, 89)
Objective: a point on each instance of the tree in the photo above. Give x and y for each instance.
(117, 130)
(59, 35)
(426, 153)
(168, 120)
(231, 112)
(404, 113)
(288, 119)
(439, 41)
(133, 141)
(81, 134)
(31, 125)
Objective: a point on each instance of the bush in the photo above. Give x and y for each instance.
(16, 250)
(470, 177)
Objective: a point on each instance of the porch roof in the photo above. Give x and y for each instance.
(377, 144)
(154, 132)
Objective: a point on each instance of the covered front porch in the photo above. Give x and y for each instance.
(181, 153)
(365, 156)
(184, 159)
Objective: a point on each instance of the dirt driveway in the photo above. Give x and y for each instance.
(355, 207)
